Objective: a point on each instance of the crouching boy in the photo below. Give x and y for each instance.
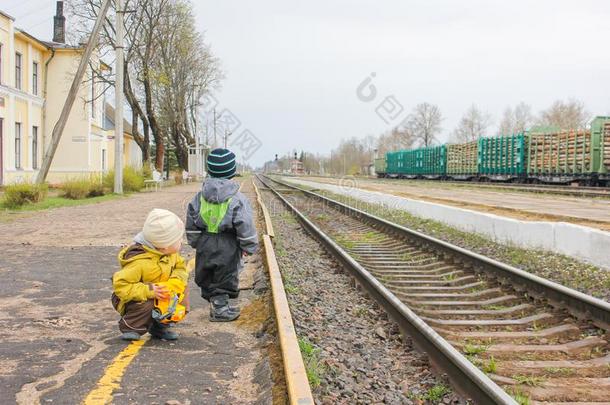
(219, 225)
(152, 259)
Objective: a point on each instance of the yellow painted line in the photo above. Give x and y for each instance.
(111, 380)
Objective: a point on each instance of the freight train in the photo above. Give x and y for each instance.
(578, 156)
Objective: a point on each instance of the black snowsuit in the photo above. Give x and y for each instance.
(219, 254)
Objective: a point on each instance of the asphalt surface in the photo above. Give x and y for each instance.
(59, 334)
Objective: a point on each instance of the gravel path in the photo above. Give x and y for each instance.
(108, 223)
(353, 353)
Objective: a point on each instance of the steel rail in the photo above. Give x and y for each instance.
(467, 378)
(580, 191)
(577, 303)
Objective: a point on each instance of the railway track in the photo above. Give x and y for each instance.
(578, 191)
(575, 191)
(483, 323)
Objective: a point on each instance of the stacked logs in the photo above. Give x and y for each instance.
(606, 144)
(462, 158)
(562, 152)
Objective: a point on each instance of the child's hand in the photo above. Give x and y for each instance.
(161, 292)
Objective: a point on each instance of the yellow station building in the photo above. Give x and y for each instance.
(35, 77)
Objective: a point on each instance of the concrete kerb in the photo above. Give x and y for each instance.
(297, 384)
(577, 241)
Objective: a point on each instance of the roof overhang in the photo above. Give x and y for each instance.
(31, 39)
(2, 13)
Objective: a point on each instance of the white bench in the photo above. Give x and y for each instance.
(149, 184)
(156, 182)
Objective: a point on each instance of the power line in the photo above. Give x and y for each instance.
(34, 9)
(18, 4)
(46, 20)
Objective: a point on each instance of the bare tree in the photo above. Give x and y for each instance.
(473, 125)
(83, 13)
(516, 121)
(424, 123)
(566, 115)
(185, 71)
(396, 139)
(166, 63)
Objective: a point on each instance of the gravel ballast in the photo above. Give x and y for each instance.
(584, 277)
(353, 353)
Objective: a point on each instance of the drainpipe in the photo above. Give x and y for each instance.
(44, 101)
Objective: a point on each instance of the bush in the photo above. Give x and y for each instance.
(147, 171)
(75, 189)
(83, 187)
(96, 187)
(133, 180)
(16, 195)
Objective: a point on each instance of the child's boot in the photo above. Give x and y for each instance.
(161, 331)
(221, 311)
(130, 336)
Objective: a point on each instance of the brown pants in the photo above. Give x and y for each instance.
(137, 317)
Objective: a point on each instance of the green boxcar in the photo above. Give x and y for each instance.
(395, 163)
(502, 156)
(380, 166)
(429, 161)
(600, 139)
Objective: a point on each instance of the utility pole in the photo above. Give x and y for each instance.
(118, 94)
(58, 129)
(214, 126)
(226, 137)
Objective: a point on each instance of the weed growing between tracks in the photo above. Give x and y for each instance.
(311, 357)
(564, 270)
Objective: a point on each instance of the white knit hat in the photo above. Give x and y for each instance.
(162, 228)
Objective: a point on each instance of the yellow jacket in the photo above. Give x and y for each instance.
(141, 267)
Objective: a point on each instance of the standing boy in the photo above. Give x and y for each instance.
(153, 258)
(219, 225)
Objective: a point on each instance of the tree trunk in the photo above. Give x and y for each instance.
(143, 142)
(146, 151)
(181, 146)
(154, 125)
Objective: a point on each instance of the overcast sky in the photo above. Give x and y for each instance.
(293, 68)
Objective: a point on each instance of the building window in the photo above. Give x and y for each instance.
(17, 145)
(34, 147)
(18, 70)
(35, 78)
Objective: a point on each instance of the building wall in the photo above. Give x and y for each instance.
(20, 105)
(84, 148)
(132, 155)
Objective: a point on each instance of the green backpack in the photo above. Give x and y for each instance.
(212, 214)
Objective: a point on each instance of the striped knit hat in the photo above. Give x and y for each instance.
(221, 163)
